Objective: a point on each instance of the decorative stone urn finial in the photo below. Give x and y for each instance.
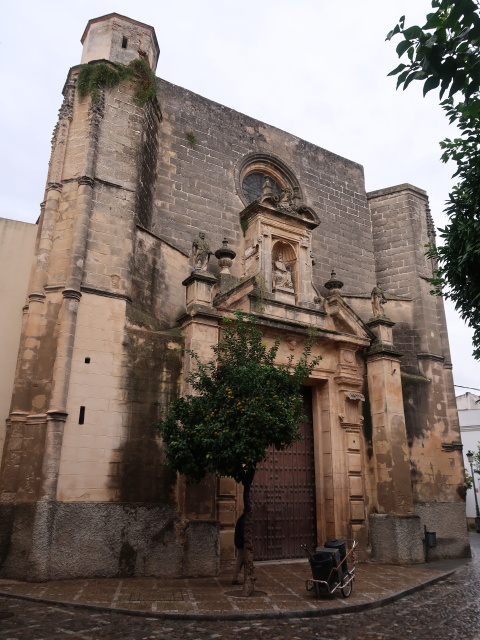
(333, 285)
(225, 257)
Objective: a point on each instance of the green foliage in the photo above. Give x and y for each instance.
(445, 54)
(244, 404)
(468, 480)
(476, 461)
(476, 469)
(244, 226)
(102, 74)
(192, 138)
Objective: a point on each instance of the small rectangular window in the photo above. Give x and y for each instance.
(81, 416)
(87, 360)
(124, 42)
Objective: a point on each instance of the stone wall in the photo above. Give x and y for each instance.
(74, 540)
(402, 225)
(17, 243)
(197, 188)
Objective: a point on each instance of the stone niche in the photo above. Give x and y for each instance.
(278, 247)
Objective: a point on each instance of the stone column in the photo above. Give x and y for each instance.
(395, 531)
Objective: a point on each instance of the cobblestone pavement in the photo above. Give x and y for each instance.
(447, 609)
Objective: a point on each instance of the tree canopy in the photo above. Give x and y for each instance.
(444, 54)
(244, 403)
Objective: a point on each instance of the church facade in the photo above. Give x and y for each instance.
(160, 220)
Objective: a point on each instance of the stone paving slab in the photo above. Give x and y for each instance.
(280, 587)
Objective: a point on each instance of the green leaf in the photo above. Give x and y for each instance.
(433, 21)
(393, 32)
(397, 70)
(430, 83)
(402, 47)
(412, 32)
(458, 83)
(416, 75)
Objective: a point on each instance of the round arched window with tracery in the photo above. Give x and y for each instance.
(256, 183)
(261, 173)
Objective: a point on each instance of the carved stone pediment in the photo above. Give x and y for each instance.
(341, 317)
(282, 205)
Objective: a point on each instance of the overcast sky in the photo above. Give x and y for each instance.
(315, 68)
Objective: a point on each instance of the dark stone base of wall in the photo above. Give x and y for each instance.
(399, 539)
(396, 539)
(448, 520)
(61, 540)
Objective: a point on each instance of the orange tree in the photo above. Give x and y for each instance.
(244, 403)
(444, 54)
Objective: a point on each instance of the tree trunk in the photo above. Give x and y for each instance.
(248, 568)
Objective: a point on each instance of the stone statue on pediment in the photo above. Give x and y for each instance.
(201, 252)
(378, 300)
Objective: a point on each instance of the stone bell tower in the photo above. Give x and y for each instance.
(82, 460)
(119, 39)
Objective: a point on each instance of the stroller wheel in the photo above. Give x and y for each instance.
(348, 588)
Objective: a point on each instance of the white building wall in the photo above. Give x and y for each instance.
(469, 417)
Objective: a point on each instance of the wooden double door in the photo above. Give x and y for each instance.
(283, 497)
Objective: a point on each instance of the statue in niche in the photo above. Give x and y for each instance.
(282, 273)
(378, 300)
(201, 252)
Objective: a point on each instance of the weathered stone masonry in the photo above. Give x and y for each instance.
(114, 300)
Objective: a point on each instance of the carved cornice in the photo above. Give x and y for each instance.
(430, 356)
(203, 276)
(196, 312)
(269, 204)
(107, 293)
(54, 186)
(383, 320)
(86, 180)
(381, 350)
(349, 382)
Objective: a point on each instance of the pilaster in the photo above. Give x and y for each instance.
(390, 447)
